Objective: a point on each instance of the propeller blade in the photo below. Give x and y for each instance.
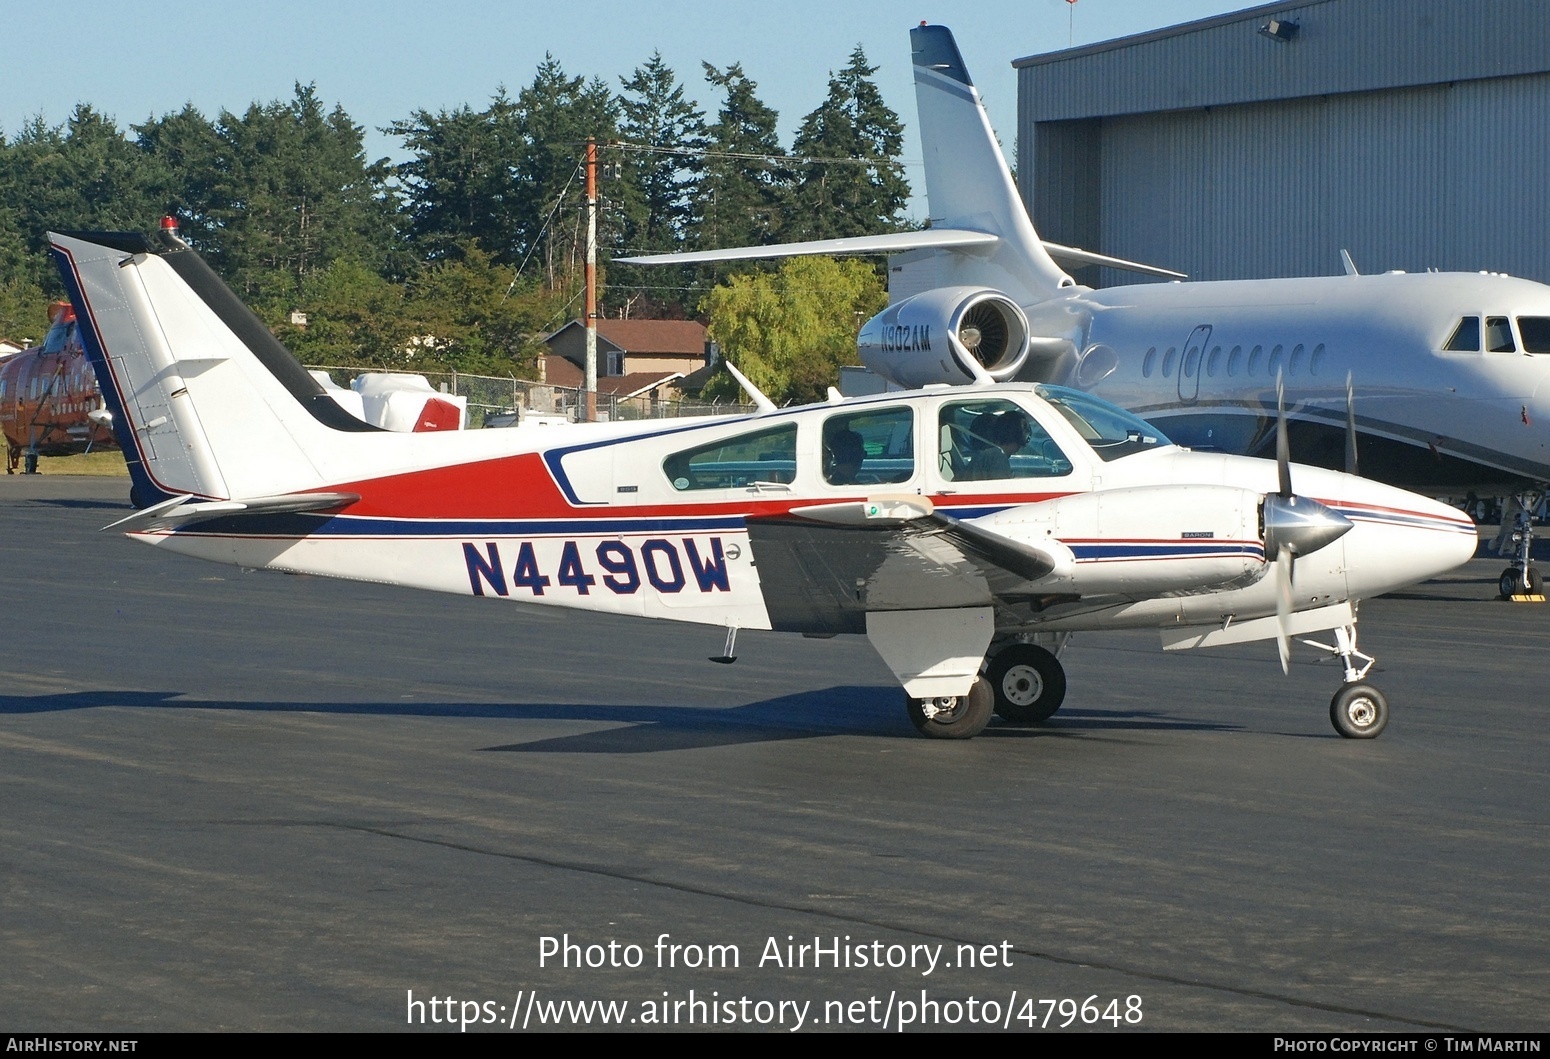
(1283, 447)
(1284, 608)
(1350, 426)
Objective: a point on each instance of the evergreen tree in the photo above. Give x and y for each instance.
(654, 207)
(185, 153)
(658, 117)
(557, 114)
(461, 185)
(293, 193)
(840, 199)
(81, 175)
(743, 191)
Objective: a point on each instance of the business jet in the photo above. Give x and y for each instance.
(967, 532)
(1450, 372)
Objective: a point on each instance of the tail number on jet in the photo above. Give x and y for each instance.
(666, 565)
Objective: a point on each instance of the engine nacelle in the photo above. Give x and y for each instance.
(907, 343)
(1145, 540)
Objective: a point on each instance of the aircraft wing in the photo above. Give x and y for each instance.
(829, 564)
(185, 510)
(930, 239)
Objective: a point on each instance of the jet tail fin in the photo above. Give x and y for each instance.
(968, 183)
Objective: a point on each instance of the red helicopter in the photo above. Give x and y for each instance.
(50, 404)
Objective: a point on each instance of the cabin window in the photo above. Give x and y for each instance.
(1254, 357)
(1317, 360)
(1168, 359)
(1235, 360)
(869, 448)
(761, 456)
(1149, 362)
(1191, 362)
(1274, 367)
(1466, 336)
(1295, 364)
(985, 441)
(1498, 335)
(1215, 362)
(1536, 333)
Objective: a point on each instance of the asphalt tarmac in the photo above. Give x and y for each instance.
(255, 801)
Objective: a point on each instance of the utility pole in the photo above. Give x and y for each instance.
(591, 379)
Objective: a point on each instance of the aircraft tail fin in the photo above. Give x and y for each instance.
(205, 401)
(968, 183)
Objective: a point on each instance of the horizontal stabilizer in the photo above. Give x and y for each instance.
(180, 511)
(930, 239)
(1075, 256)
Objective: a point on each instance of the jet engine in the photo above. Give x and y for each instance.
(909, 341)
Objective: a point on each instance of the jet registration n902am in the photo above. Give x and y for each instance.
(967, 532)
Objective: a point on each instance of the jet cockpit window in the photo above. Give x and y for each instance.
(57, 338)
(1112, 432)
(748, 459)
(869, 448)
(1466, 336)
(1498, 335)
(993, 440)
(1536, 333)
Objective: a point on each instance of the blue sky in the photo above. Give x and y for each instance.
(382, 60)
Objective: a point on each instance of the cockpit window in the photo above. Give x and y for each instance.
(748, 459)
(993, 440)
(1498, 335)
(1112, 432)
(1536, 333)
(1466, 336)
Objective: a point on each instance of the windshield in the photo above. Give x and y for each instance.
(1111, 431)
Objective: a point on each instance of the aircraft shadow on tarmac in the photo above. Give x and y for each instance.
(80, 504)
(652, 728)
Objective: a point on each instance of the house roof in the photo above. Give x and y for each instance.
(648, 336)
(561, 372)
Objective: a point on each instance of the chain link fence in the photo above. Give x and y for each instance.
(490, 397)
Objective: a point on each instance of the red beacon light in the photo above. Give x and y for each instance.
(169, 231)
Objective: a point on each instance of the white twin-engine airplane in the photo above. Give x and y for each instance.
(1451, 371)
(965, 531)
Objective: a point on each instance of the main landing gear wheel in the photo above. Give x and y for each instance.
(953, 716)
(1029, 683)
(1359, 711)
(1512, 584)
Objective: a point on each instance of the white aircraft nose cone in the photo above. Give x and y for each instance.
(1401, 539)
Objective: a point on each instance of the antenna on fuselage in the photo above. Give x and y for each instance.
(756, 395)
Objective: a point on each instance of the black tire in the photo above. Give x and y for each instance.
(1359, 711)
(1029, 683)
(960, 717)
(1508, 583)
(1512, 584)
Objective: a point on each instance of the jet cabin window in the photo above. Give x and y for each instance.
(1536, 333)
(764, 456)
(984, 441)
(869, 448)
